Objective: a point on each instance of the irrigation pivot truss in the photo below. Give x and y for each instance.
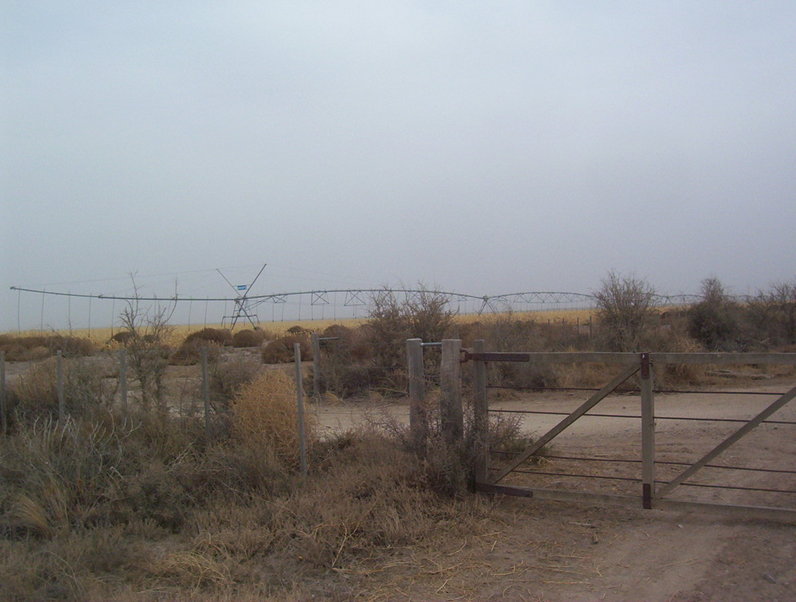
(46, 309)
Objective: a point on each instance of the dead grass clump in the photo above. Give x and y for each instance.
(264, 416)
(248, 338)
(56, 474)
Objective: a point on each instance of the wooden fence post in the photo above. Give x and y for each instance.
(300, 409)
(123, 377)
(418, 419)
(451, 415)
(316, 366)
(3, 410)
(59, 384)
(480, 416)
(647, 433)
(205, 390)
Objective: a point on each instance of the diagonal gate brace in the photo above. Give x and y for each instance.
(674, 483)
(566, 422)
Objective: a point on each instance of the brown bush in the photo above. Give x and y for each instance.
(122, 337)
(281, 351)
(36, 347)
(85, 390)
(248, 338)
(221, 336)
(227, 377)
(190, 352)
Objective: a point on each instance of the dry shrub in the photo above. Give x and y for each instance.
(264, 416)
(85, 390)
(281, 350)
(248, 338)
(221, 336)
(625, 311)
(227, 376)
(122, 337)
(190, 352)
(36, 347)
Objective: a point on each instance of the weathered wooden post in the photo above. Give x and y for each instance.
(418, 419)
(205, 390)
(480, 416)
(451, 414)
(647, 432)
(59, 384)
(300, 409)
(3, 409)
(316, 366)
(123, 377)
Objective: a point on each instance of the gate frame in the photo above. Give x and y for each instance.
(632, 363)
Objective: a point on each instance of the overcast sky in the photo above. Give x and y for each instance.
(482, 147)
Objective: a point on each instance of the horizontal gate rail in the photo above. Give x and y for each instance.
(636, 416)
(578, 357)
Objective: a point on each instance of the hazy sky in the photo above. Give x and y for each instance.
(483, 147)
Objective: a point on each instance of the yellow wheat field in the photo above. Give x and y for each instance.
(178, 332)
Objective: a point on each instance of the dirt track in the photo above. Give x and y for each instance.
(563, 551)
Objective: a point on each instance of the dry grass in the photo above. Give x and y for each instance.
(93, 510)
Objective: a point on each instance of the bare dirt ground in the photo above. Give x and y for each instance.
(549, 550)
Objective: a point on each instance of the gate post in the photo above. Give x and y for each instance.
(451, 414)
(480, 416)
(418, 421)
(647, 433)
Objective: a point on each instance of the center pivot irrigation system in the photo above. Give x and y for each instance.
(56, 310)
(243, 305)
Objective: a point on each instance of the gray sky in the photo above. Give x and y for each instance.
(483, 147)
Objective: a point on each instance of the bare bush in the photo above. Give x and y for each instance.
(227, 377)
(715, 320)
(424, 315)
(147, 348)
(771, 316)
(625, 311)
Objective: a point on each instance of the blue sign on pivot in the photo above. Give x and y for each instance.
(241, 287)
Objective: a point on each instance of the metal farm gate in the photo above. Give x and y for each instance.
(629, 464)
